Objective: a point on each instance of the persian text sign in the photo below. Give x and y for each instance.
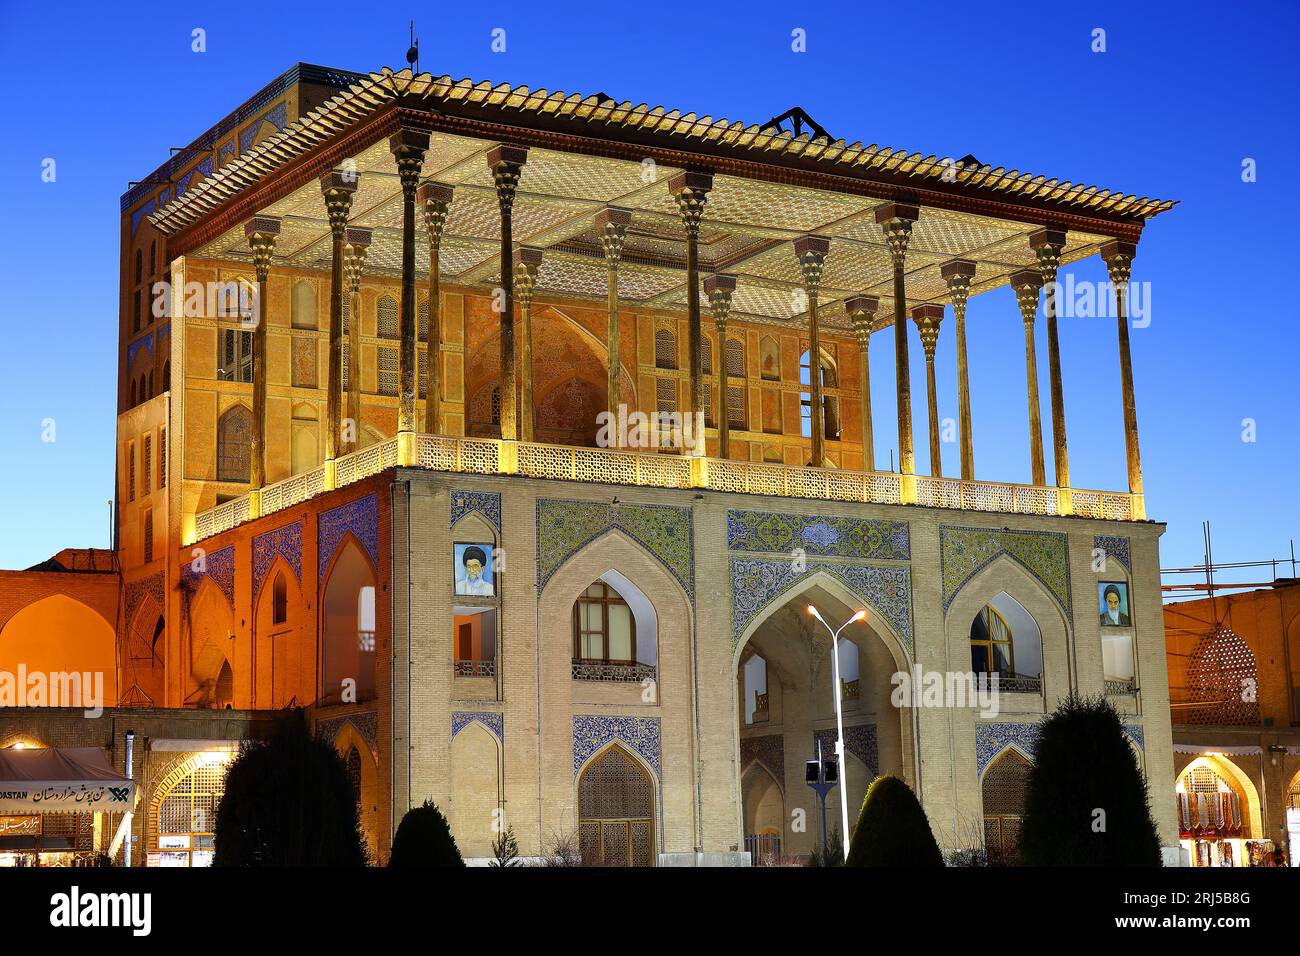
(65, 796)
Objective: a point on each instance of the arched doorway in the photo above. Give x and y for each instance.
(764, 807)
(183, 813)
(1003, 793)
(348, 628)
(1214, 818)
(58, 634)
(616, 811)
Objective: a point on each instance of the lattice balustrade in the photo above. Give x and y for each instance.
(1087, 504)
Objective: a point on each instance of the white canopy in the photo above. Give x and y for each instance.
(59, 780)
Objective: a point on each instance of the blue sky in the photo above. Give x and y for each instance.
(1183, 94)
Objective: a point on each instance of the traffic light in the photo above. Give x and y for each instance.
(810, 769)
(830, 771)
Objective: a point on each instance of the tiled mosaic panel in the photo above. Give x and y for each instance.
(493, 721)
(283, 542)
(592, 732)
(360, 517)
(819, 534)
(964, 552)
(487, 504)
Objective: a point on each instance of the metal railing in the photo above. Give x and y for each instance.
(476, 668)
(490, 456)
(625, 672)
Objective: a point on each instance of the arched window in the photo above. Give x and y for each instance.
(615, 812)
(604, 630)
(279, 599)
(755, 701)
(186, 818)
(144, 393)
(348, 623)
(386, 318)
(153, 257)
(1222, 680)
(830, 404)
(303, 308)
(665, 349)
(769, 355)
(1005, 640)
(234, 432)
(1004, 807)
(139, 266)
(850, 686)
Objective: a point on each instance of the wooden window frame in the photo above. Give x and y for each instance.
(609, 598)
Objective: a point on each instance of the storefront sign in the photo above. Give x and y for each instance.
(25, 826)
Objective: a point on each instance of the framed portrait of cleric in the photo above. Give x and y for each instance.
(1112, 601)
(474, 573)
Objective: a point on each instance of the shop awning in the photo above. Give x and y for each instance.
(61, 779)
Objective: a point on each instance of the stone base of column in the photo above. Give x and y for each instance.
(907, 489)
(255, 504)
(407, 453)
(508, 457)
(1064, 501)
(699, 472)
(331, 474)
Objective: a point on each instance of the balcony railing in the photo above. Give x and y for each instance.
(622, 672)
(1120, 686)
(476, 668)
(490, 456)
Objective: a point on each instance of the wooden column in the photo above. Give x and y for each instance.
(719, 288)
(1027, 284)
(958, 274)
(1048, 244)
(435, 200)
(928, 318)
(812, 251)
(895, 220)
(612, 224)
(408, 148)
(691, 190)
(862, 314)
(1118, 256)
(337, 188)
(507, 165)
(356, 242)
(526, 264)
(261, 232)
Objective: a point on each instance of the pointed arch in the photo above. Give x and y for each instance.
(369, 794)
(211, 641)
(476, 792)
(348, 623)
(1237, 778)
(616, 799)
(234, 434)
(59, 633)
(303, 305)
(277, 637)
(1002, 798)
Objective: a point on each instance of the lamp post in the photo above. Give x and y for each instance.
(839, 716)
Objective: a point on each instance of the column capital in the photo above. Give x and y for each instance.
(812, 252)
(527, 260)
(1027, 283)
(612, 223)
(862, 311)
(408, 148)
(337, 186)
(895, 220)
(928, 319)
(435, 200)
(261, 232)
(691, 190)
(958, 274)
(719, 288)
(356, 242)
(1118, 256)
(1048, 244)
(507, 165)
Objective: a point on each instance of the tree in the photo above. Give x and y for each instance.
(1086, 802)
(424, 838)
(505, 849)
(288, 802)
(892, 829)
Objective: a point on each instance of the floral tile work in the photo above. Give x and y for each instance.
(859, 740)
(757, 582)
(366, 724)
(993, 738)
(1115, 546)
(493, 721)
(826, 535)
(487, 504)
(964, 552)
(592, 732)
(283, 542)
(361, 518)
(219, 566)
(566, 527)
(768, 750)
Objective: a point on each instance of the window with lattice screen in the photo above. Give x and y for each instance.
(615, 812)
(666, 394)
(735, 406)
(665, 349)
(706, 355)
(234, 431)
(146, 535)
(387, 371)
(235, 363)
(386, 318)
(422, 321)
(736, 358)
(185, 825)
(1222, 680)
(1004, 806)
(130, 471)
(162, 457)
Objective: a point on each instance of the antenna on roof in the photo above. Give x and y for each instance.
(413, 52)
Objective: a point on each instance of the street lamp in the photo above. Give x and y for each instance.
(839, 716)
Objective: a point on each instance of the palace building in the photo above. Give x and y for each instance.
(371, 328)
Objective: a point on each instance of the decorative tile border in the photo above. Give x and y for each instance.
(361, 517)
(993, 738)
(1117, 547)
(757, 582)
(219, 566)
(591, 732)
(365, 723)
(769, 750)
(493, 721)
(275, 117)
(818, 534)
(484, 503)
(565, 527)
(136, 346)
(137, 591)
(964, 552)
(859, 740)
(283, 542)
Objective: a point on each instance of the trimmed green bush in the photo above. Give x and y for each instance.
(424, 838)
(288, 802)
(1086, 802)
(892, 829)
